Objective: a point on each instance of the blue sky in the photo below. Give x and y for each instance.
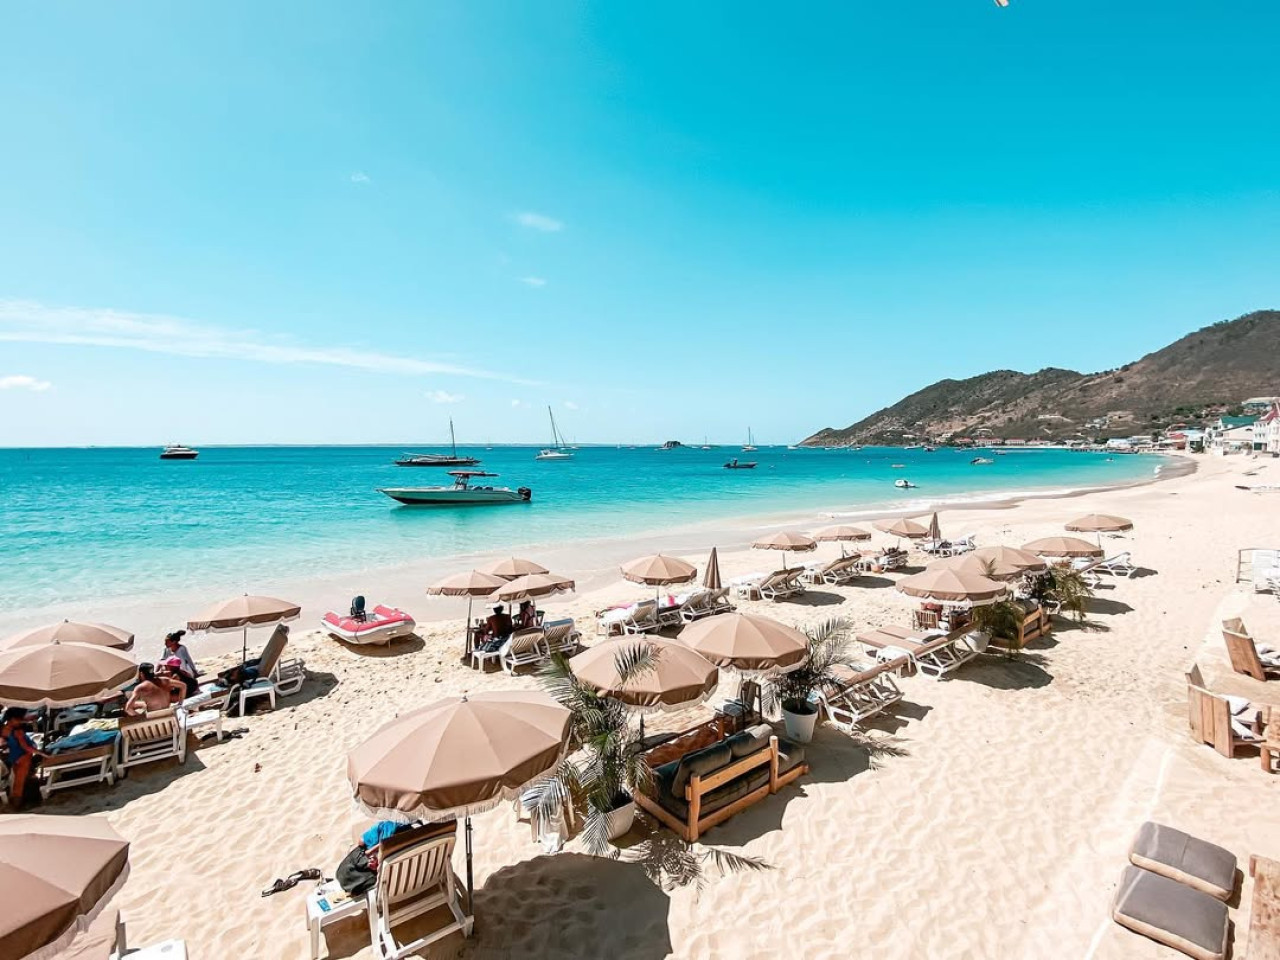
(308, 222)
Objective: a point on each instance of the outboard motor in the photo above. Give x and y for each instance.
(357, 610)
(525, 494)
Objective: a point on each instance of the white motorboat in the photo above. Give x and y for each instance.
(982, 460)
(176, 451)
(904, 484)
(558, 449)
(462, 493)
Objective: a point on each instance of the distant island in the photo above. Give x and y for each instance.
(1192, 381)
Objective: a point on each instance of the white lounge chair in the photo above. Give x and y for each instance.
(641, 618)
(1120, 565)
(781, 584)
(837, 572)
(719, 601)
(747, 586)
(561, 636)
(62, 771)
(696, 605)
(414, 877)
(277, 676)
(155, 736)
(523, 648)
(861, 695)
(934, 653)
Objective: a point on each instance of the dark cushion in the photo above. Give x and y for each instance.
(790, 754)
(1171, 913)
(748, 741)
(701, 762)
(1182, 857)
(720, 797)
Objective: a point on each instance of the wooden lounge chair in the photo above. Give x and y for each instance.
(1264, 919)
(152, 737)
(1172, 913)
(1225, 723)
(561, 636)
(1247, 657)
(862, 694)
(523, 648)
(415, 876)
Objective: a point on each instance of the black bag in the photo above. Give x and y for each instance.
(354, 874)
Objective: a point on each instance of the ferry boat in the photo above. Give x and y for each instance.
(558, 450)
(176, 451)
(462, 493)
(438, 459)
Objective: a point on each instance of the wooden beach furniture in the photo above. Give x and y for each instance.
(1264, 916)
(861, 694)
(415, 876)
(1224, 723)
(1246, 656)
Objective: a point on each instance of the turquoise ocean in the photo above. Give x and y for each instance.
(87, 524)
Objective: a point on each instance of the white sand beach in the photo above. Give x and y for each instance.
(988, 816)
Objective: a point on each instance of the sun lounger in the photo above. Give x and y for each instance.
(862, 694)
(561, 636)
(155, 736)
(719, 601)
(695, 606)
(932, 653)
(674, 614)
(77, 768)
(1121, 565)
(747, 587)
(636, 619)
(1171, 913)
(1259, 662)
(883, 561)
(277, 676)
(839, 571)
(415, 876)
(781, 584)
(523, 648)
(1225, 723)
(1189, 860)
(1264, 567)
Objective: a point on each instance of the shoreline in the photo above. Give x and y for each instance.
(592, 562)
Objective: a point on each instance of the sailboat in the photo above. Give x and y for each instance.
(438, 459)
(558, 450)
(751, 442)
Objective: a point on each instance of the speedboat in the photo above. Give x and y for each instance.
(558, 450)
(438, 459)
(462, 493)
(381, 625)
(982, 460)
(736, 464)
(176, 451)
(904, 484)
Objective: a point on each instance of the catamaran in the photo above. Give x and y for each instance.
(751, 442)
(438, 459)
(462, 493)
(558, 449)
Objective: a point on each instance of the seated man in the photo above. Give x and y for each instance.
(499, 627)
(153, 692)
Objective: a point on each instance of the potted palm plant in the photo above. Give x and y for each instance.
(795, 691)
(608, 766)
(1065, 589)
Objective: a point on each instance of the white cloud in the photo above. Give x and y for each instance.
(20, 381)
(441, 396)
(570, 405)
(359, 177)
(27, 322)
(539, 221)
(533, 281)
(516, 403)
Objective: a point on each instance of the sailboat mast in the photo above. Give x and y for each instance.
(452, 442)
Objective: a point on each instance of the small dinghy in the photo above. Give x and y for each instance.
(379, 625)
(904, 484)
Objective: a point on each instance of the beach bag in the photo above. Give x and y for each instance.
(355, 874)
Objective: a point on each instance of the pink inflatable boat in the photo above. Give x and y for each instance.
(379, 625)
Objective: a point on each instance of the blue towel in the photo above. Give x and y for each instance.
(83, 741)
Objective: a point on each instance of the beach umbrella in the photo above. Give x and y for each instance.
(948, 585)
(509, 568)
(243, 612)
(1062, 547)
(746, 643)
(786, 540)
(711, 576)
(56, 874)
(842, 533)
(459, 757)
(71, 631)
(57, 674)
(998, 563)
(935, 530)
(659, 571)
(470, 585)
(680, 677)
(531, 586)
(902, 528)
(1099, 523)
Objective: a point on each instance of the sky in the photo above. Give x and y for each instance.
(309, 222)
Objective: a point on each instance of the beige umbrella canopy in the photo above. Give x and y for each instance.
(659, 570)
(935, 530)
(948, 585)
(56, 874)
(458, 757)
(1099, 523)
(1062, 547)
(786, 540)
(71, 631)
(58, 674)
(531, 586)
(680, 677)
(998, 563)
(902, 528)
(470, 585)
(711, 576)
(842, 532)
(509, 568)
(243, 612)
(746, 643)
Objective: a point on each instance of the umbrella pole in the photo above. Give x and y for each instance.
(244, 646)
(470, 892)
(466, 633)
